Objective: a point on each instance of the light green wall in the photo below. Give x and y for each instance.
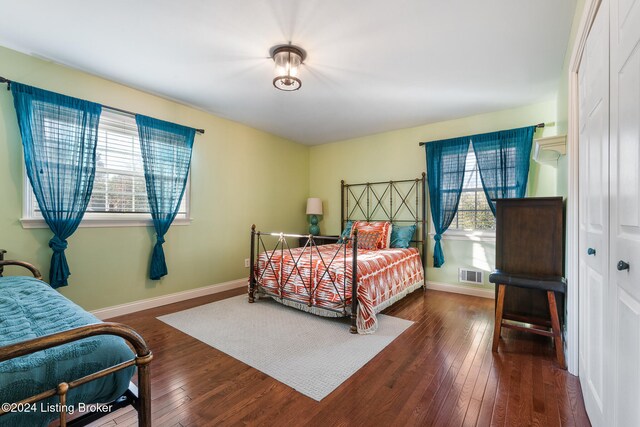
(239, 176)
(396, 155)
(563, 88)
(562, 100)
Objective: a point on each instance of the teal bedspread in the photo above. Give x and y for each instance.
(30, 308)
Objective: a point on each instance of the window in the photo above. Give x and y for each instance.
(119, 194)
(474, 213)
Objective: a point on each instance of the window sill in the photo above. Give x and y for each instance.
(474, 236)
(104, 222)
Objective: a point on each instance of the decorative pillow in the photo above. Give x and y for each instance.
(346, 232)
(401, 237)
(367, 240)
(384, 228)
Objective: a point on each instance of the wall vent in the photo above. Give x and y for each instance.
(470, 276)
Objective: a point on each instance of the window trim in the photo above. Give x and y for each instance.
(98, 219)
(477, 235)
(478, 192)
(455, 234)
(472, 235)
(28, 223)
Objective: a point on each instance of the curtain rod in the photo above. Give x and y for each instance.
(538, 126)
(8, 82)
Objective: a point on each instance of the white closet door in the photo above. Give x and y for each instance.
(594, 218)
(625, 208)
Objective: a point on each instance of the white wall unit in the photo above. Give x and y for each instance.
(549, 149)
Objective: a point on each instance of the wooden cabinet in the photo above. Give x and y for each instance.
(320, 240)
(530, 241)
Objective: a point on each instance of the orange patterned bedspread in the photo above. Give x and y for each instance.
(318, 276)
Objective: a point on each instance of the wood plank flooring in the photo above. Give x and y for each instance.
(440, 372)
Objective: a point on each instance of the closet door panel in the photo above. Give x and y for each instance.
(625, 208)
(596, 177)
(625, 28)
(628, 147)
(627, 407)
(594, 219)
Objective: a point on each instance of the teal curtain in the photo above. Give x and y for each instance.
(445, 173)
(59, 136)
(503, 160)
(166, 154)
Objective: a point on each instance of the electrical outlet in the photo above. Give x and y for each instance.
(246, 263)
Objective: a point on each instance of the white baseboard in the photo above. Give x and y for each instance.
(460, 289)
(132, 307)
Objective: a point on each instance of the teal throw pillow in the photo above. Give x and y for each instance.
(401, 237)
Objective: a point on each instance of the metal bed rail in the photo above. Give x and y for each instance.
(282, 279)
(141, 400)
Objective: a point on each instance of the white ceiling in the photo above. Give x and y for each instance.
(372, 65)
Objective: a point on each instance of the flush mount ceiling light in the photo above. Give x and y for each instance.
(288, 59)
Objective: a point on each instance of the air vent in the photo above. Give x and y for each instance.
(470, 276)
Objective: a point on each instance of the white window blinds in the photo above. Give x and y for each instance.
(119, 189)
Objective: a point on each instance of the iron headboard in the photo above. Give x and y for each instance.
(400, 202)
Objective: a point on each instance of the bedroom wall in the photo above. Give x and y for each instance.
(562, 100)
(396, 155)
(563, 87)
(233, 184)
(109, 265)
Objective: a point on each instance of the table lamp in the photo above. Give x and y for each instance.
(314, 207)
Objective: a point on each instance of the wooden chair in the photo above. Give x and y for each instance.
(540, 326)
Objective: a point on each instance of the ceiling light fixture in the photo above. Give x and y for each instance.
(288, 59)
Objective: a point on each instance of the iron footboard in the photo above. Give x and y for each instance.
(283, 278)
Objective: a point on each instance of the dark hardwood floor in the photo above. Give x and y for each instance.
(441, 372)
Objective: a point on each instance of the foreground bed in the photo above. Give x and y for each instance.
(56, 359)
(323, 279)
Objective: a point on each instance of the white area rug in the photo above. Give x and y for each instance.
(311, 354)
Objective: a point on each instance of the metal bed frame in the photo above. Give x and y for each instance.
(370, 201)
(139, 397)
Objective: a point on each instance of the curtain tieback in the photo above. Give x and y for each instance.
(437, 237)
(160, 240)
(57, 244)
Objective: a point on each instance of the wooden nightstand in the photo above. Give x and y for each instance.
(320, 240)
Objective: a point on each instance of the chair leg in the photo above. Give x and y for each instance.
(498, 326)
(555, 325)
